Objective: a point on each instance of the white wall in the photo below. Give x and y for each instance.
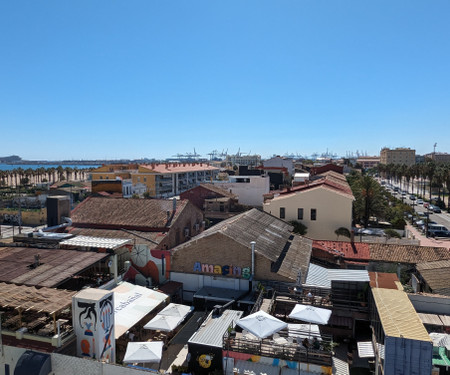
(194, 282)
(334, 210)
(249, 193)
(67, 365)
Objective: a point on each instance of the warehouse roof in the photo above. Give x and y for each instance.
(436, 274)
(397, 315)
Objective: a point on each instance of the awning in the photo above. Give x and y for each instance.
(33, 363)
(365, 349)
(131, 304)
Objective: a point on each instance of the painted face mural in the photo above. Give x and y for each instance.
(107, 324)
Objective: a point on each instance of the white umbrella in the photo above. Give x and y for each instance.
(261, 324)
(163, 323)
(175, 309)
(310, 314)
(144, 352)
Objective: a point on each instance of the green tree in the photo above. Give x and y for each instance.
(342, 232)
(299, 227)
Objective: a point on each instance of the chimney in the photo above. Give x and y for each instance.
(174, 204)
(168, 215)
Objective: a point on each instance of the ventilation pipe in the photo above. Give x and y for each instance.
(253, 243)
(174, 204)
(68, 222)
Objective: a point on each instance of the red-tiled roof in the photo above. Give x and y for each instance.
(348, 250)
(135, 214)
(407, 253)
(327, 181)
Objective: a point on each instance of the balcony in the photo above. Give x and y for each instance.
(282, 346)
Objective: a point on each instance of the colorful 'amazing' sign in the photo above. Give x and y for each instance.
(216, 269)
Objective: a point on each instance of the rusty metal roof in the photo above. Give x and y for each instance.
(56, 266)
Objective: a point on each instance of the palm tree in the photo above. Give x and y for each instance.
(369, 199)
(430, 170)
(69, 172)
(447, 183)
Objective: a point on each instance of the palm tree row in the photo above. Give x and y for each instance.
(29, 176)
(429, 174)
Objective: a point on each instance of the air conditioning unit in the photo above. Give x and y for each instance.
(186, 232)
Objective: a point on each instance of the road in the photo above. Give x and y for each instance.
(442, 218)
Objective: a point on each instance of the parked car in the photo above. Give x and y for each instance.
(412, 197)
(436, 209)
(419, 201)
(426, 204)
(439, 233)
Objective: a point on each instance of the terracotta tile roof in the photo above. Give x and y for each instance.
(218, 190)
(348, 250)
(407, 253)
(177, 167)
(56, 266)
(437, 275)
(329, 182)
(135, 214)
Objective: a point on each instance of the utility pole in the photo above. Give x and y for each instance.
(434, 150)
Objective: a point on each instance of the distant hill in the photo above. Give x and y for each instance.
(10, 159)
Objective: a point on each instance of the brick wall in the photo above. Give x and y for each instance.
(222, 250)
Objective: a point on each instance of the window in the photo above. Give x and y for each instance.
(300, 214)
(313, 214)
(282, 212)
(145, 179)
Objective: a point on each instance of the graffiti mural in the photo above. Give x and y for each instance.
(153, 263)
(93, 321)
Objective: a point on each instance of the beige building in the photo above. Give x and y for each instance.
(368, 161)
(405, 156)
(439, 157)
(323, 205)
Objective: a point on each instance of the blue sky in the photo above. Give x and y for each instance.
(129, 79)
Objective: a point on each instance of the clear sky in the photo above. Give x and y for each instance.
(85, 79)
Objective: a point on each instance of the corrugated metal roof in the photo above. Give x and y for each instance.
(365, 349)
(430, 319)
(348, 275)
(317, 276)
(212, 330)
(322, 277)
(99, 242)
(398, 316)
